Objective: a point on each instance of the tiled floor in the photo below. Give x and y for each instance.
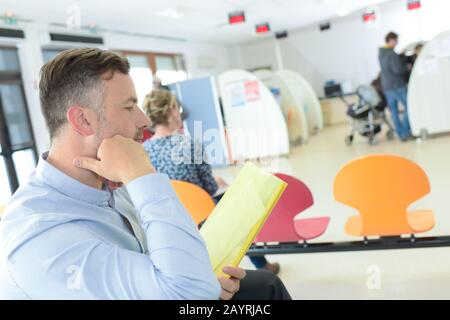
(393, 274)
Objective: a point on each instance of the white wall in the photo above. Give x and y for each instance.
(201, 59)
(349, 51)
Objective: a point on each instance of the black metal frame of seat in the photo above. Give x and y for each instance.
(382, 243)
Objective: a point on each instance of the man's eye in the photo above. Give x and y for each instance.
(129, 108)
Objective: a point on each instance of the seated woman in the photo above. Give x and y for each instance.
(179, 156)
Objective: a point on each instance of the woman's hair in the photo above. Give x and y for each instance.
(157, 105)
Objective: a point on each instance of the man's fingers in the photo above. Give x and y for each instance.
(237, 273)
(238, 284)
(87, 163)
(228, 288)
(230, 285)
(225, 295)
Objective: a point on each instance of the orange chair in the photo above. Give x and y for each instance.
(381, 188)
(197, 201)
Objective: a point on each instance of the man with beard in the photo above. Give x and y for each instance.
(95, 221)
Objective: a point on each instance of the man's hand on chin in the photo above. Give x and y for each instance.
(119, 160)
(230, 286)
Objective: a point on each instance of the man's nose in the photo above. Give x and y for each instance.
(144, 121)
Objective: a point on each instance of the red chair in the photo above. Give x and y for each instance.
(281, 225)
(147, 135)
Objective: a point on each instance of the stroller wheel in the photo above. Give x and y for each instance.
(349, 140)
(424, 134)
(390, 135)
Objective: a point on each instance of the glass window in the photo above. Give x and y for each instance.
(179, 62)
(142, 76)
(167, 70)
(24, 164)
(9, 61)
(165, 63)
(171, 76)
(14, 109)
(16, 132)
(5, 190)
(49, 54)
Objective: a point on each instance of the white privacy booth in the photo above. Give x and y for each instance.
(299, 103)
(255, 126)
(429, 89)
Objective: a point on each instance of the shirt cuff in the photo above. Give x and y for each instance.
(150, 188)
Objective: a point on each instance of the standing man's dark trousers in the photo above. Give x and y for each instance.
(261, 285)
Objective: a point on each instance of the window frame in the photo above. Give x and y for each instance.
(151, 59)
(7, 150)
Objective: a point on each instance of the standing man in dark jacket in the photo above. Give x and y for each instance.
(393, 79)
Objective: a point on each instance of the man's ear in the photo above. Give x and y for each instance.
(82, 120)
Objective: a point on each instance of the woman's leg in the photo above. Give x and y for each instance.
(258, 261)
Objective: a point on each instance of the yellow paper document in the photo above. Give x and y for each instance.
(239, 216)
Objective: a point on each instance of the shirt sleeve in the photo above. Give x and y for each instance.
(80, 265)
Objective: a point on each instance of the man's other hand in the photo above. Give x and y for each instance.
(231, 285)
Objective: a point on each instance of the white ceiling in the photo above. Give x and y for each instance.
(200, 20)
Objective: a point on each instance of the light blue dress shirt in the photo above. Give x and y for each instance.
(61, 239)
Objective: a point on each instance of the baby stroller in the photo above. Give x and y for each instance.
(367, 116)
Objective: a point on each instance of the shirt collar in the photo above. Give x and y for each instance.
(71, 187)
